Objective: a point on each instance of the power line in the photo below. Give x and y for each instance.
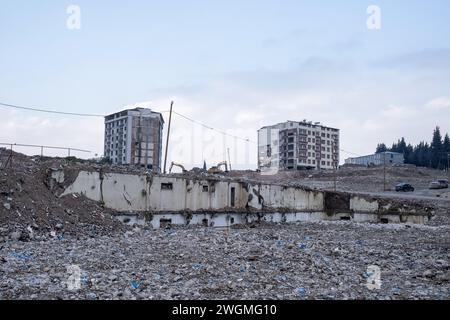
(50, 111)
(165, 111)
(352, 153)
(211, 128)
(43, 146)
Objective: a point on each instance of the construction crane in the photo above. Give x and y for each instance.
(216, 169)
(174, 164)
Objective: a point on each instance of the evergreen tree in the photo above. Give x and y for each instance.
(381, 147)
(434, 155)
(446, 150)
(436, 149)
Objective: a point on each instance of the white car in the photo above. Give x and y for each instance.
(439, 184)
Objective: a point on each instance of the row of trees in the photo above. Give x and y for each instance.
(434, 155)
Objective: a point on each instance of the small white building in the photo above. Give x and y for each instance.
(378, 159)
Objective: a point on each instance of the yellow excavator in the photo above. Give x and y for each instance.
(216, 169)
(174, 164)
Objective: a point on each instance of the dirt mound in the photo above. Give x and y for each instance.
(28, 209)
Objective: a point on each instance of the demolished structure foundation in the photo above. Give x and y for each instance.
(210, 200)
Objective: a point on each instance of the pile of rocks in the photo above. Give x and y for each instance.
(326, 260)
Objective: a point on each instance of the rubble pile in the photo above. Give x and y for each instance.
(30, 211)
(324, 260)
(350, 178)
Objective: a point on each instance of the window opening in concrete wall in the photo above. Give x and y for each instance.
(166, 186)
(233, 191)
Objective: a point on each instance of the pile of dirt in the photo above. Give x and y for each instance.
(29, 210)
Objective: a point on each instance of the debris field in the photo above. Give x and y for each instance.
(48, 244)
(322, 260)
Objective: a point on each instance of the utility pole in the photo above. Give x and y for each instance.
(335, 177)
(168, 134)
(384, 170)
(229, 159)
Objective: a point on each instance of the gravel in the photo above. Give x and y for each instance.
(323, 260)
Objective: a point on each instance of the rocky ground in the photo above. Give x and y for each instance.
(325, 260)
(357, 179)
(45, 240)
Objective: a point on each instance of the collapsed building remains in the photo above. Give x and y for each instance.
(220, 201)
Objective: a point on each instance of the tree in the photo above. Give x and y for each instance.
(446, 149)
(434, 155)
(436, 149)
(381, 147)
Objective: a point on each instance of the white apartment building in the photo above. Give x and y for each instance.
(294, 145)
(134, 137)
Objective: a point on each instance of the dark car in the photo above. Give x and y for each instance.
(405, 187)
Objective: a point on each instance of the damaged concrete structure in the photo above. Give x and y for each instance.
(294, 145)
(134, 137)
(218, 201)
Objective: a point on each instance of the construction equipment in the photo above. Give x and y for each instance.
(174, 164)
(216, 169)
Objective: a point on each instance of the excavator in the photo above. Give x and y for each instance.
(216, 169)
(174, 164)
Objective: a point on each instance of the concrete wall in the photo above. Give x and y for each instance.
(170, 197)
(128, 192)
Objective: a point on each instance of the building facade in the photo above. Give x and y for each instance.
(134, 137)
(294, 145)
(378, 159)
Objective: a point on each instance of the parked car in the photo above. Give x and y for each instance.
(439, 184)
(405, 187)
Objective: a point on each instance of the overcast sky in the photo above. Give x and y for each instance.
(234, 65)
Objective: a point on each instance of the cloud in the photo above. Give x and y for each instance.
(440, 103)
(42, 129)
(424, 59)
(368, 103)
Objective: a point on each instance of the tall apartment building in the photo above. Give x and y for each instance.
(134, 137)
(294, 145)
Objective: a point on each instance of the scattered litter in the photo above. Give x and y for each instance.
(301, 292)
(134, 285)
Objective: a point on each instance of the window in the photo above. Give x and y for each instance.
(205, 189)
(166, 186)
(232, 194)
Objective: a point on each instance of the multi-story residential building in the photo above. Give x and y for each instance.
(134, 137)
(378, 159)
(294, 145)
